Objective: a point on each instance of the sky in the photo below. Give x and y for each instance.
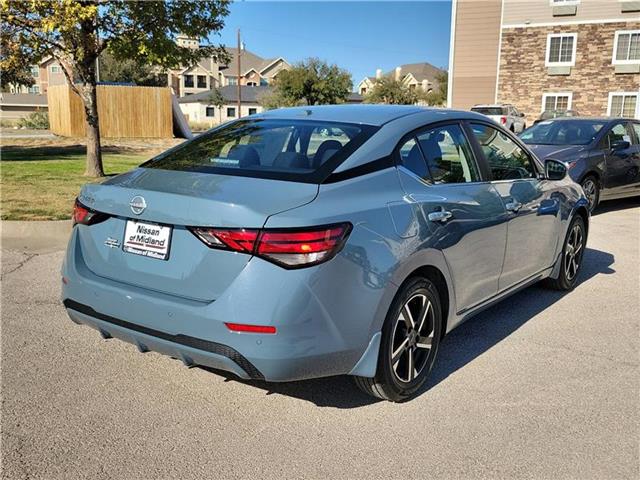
(359, 36)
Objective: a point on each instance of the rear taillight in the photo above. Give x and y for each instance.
(85, 216)
(288, 247)
(503, 120)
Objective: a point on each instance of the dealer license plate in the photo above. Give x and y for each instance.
(147, 239)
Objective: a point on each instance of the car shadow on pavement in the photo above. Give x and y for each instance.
(461, 346)
(615, 205)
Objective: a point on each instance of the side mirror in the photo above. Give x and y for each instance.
(555, 170)
(620, 145)
(521, 115)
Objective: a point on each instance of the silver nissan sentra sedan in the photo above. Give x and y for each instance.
(319, 241)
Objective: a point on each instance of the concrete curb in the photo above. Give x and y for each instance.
(35, 237)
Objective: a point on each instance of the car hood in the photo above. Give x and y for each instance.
(563, 153)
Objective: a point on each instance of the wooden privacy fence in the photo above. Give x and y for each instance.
(124, 111)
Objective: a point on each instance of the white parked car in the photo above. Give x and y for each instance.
(506, 115)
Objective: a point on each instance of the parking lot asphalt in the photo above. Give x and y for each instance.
(544, 385)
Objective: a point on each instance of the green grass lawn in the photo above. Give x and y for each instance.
(41, 184)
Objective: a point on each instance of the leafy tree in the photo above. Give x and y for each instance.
(311, 82)
(77, 32)
(391, 91)
(438, 96)
(14, 63)
(112, 69)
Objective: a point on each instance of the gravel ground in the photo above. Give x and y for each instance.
(544, 385)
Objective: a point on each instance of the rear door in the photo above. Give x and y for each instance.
(464, 214)
(532, 204)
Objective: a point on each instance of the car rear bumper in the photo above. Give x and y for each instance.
(320, 331)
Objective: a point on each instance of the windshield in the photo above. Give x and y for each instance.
(562, 132)
(488, 110)
(299, 150)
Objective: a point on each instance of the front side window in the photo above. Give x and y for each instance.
(282, 149)
(623, 104)
(561, 49)
(617, 134)
(188, 81)
(626, 47)
(506, 159)
(556, 101)
(448, 155)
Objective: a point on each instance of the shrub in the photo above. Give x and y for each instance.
(35, 121)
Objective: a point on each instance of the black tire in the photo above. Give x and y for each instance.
(591, 187)
(568, 276)
(396, 381)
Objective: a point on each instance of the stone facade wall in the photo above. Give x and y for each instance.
(523, 76)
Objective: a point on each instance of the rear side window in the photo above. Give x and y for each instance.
(636, 127)
(280, 149)
(507, 160)
(448, 155)
(412, 159)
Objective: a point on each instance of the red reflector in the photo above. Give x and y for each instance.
(240, 327)
(503, 119)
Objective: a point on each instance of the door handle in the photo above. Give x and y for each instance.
(513, 206)
(439, 216)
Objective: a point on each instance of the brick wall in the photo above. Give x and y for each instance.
(524, 78)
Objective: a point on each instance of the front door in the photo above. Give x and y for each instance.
(622, 172)
(531, 204)
(464, 215)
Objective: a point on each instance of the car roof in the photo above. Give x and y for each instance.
(492, 105)
(367, 114)
(590, 119)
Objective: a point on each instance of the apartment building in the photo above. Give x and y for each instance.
(421, 75)
(207, 74)
(46, 73)
(581, 55)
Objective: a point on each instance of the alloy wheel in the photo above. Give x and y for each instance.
(573, 252)
(412, 338)
(590, 190)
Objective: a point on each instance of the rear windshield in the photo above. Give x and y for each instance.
(562, 132)
(488, 110)
(298, 150)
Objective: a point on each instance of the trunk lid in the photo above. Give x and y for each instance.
(181, 199)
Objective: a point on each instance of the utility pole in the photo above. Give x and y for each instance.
(238, 53)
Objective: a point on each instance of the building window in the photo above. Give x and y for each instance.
(188, 81)
(210, 112)
(623, 104)
(264, 81)
(253, 111)
(34, 89)
(35, 71)
(557, 101)
(556, 3)
(202, 81)
(626, 47)
(561, 49)
(233, 81)
(231, 111)
(55, 68)
(252, 84)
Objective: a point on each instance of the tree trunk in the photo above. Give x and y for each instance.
(94, 149)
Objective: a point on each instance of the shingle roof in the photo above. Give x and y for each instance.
(23, 99)
(230, 94)
(249, 60)
(420, 71)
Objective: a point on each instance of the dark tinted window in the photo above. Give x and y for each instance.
(412, 159)
(448, 155)
(562, 132)
(270, 146)
(506, 159)
(489, 110)
(211, 112)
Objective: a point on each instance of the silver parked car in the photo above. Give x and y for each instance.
(272, 250)
(506, 115)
